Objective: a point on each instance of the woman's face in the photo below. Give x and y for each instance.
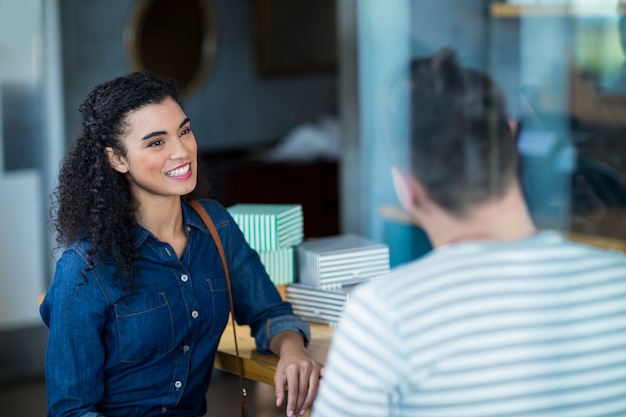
(161, 152)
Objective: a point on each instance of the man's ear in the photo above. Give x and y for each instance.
(409, 190)
(514, 126)
(402, 183)
(117, 161)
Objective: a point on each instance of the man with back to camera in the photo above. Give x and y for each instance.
(499, 319)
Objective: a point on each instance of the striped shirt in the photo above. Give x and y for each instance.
(535, 327)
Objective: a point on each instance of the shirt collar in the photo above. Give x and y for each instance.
(190, 219)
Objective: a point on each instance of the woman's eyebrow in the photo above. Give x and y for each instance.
(153, 134)
(163, 132)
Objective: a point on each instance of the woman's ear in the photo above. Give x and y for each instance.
(117, 161)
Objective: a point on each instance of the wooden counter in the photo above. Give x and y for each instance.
(259, 367)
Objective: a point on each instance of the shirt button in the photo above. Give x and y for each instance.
(194, 314)
(178, 384)
(184, 278)
(189, 228)
(186, 348)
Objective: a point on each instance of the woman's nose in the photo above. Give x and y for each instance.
(179, 149)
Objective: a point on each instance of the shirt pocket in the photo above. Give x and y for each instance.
(145, 328)
(220, 304)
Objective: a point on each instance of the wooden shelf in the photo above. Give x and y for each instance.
(597, 241)
(507, 10)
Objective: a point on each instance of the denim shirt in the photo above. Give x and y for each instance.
(150, 352)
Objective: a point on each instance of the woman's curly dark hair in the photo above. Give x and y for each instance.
(93, 201)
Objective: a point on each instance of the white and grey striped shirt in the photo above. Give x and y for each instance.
(535, 327)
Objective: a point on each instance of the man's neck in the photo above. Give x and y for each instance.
(498, 220)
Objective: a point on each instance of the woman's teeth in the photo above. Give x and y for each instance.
(178, 171)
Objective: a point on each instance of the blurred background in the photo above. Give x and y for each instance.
(302, 102)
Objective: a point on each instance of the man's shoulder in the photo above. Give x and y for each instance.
(395, 280)
(479, 262)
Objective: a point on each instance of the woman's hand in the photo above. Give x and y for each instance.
(296, 372)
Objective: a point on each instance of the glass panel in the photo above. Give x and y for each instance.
(561, 67)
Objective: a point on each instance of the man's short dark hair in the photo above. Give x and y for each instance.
(463, 149)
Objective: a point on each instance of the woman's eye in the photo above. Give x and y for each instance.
(185, 131)
(155, 143)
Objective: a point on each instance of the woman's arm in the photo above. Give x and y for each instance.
(274, 325)
(75, 352)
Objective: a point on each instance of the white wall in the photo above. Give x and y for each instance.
(23, 237)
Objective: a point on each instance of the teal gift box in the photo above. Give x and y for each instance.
(272, 230)
(269, 226)
(279, 264)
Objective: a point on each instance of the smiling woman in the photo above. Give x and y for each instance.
(155, 42)
(139, 299)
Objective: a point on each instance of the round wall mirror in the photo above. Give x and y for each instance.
(174, 39)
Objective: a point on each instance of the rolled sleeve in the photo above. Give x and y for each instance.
(279, 324)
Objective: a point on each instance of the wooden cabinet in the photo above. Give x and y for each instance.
(240, 178)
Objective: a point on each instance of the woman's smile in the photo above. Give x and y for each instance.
(182, 172)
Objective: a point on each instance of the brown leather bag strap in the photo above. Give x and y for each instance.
(220, 248)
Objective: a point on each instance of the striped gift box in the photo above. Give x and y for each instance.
(269, 226)
(279, 264)
(332, 262)
(315, 304)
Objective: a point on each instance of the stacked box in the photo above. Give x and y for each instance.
(322, 306)
(331, 262)
(269, 226)
(272, 230)
(328, 270)
(279, 264)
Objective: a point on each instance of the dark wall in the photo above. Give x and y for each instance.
(234, 108)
